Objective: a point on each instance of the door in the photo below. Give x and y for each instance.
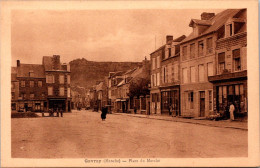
(202, 103)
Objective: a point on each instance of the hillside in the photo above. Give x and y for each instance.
(85, 73)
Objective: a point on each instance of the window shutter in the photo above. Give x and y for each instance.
(236, 53)
(221, 57)
(244, 58)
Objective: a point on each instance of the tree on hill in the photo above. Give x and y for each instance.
(138, 87)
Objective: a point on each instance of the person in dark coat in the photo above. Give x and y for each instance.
(104, 113)
(61, 112)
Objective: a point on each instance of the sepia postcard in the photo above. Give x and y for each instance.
(129, 83)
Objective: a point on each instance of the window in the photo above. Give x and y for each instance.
(201, 48)
(158, 62)
(201, 73)
(61, 79)
(236, 60)
(170, 52)
(192, 74)
(43, 94)
(50, 90)
(153, 63)
(31, 83)
(158, 78)
(209, 45)
(23, 95)
(169, 73)
(176, 72)
(22, 83)
(210, 69)
(154, 80)
(184, 53)
(68, 79)
(12, 85)
(39, 83)
(230, 29)
(210, 100)
(50, 79)
(185, 75)
(31, 95)
(12, 95)
(221, 62)
(68, 92)
(31, 74)
(190, 99)
(192, 50)
(61, 91)
(164, 74)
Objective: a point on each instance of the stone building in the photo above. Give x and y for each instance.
(41, 86)
(198, 62)
(230, 80)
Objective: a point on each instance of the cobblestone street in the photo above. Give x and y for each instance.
(82, 134)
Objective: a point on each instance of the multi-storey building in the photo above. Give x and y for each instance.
(198, 62)
(14, 89)
(230, 80)
(42, 86)
(165, 78)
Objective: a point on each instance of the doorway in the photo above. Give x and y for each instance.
(202, 103)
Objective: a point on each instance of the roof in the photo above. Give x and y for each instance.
(200, 22)
(24, 69)
(99, 86)
(216, 22)
(178, 39)
(118, 73)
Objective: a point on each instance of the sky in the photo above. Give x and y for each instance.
(96, 35)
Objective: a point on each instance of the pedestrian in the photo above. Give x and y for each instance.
(61, 112)
(231, 111)
(135, 110)
(57, 112)
(170, 109)
(103, 113)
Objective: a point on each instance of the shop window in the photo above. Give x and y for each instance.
(31, 83)
(184, 53)
(201, 48)
(221, 62)
(192, 50)
(236, 59)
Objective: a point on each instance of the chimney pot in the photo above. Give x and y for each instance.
(18, 63)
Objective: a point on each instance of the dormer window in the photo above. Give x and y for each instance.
(31, 74)
(236, 25)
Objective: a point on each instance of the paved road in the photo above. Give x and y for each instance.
(83, 135)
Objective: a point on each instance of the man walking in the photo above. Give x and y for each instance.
(61, 112)
(231, 111)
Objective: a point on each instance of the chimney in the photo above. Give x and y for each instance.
(56, 62)
(18, 63)
(207, 16)
(169, 38)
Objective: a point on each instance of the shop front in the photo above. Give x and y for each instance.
(230, 90)
(170, 98)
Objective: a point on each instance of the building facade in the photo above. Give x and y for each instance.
(198, 63)
(230, 81)
(42, 86)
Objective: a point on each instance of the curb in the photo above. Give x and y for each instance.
(189, 122)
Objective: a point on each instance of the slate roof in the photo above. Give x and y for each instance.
(24, 69)
(178, 39)
(216, 22)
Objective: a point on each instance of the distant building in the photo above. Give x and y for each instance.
(41, 86)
